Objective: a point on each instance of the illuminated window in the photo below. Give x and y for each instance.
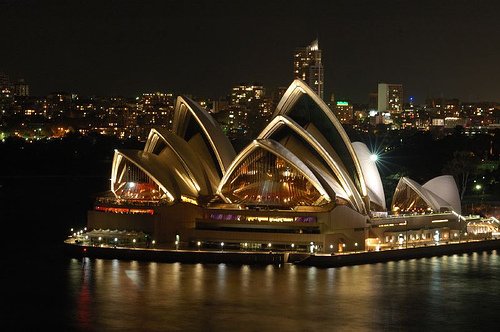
(266, 179)
(134, 184)
(407, 200)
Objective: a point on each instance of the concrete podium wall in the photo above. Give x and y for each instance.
(130, 222)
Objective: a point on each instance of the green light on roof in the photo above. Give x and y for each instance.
(342, 103)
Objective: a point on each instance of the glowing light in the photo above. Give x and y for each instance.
(436, 236)
(373, 157)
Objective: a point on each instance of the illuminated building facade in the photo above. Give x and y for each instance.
(344, 111)
(245, 93)
(307, 66)
(154, 110)
(247, 112)
(300, 181)
(390, 98)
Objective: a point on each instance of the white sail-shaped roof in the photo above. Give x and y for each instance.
(337, 177)
(166, 144)
(304, 142)
(433, 201)
(370, 174)
(190, 119)
(445, 187)
(302, 105)
(266, 176)
(150, 165)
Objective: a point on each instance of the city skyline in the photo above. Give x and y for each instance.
(440, 49)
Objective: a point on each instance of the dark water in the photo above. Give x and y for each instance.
(448, 293)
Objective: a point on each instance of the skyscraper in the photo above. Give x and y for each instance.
(308, 67)
(390, 98)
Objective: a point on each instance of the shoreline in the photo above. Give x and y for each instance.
(276, 258)
(400, 254)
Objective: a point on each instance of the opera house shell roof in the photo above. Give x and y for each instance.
(436, 195)
(302, 159)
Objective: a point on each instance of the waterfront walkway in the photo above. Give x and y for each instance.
(268, 257)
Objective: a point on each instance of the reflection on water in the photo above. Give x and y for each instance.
(450, 292)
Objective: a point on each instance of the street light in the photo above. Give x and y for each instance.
(199, 244)
(222, 246)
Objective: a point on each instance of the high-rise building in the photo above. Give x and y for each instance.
(373, 101)
(308, 67)
(390, 98)
(154, 110)
(248, 112)
(344, 111)
(21, 88)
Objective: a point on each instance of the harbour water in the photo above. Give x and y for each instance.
(50, 290)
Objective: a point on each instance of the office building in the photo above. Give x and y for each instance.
(308, 67)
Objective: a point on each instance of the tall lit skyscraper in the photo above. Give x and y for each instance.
(308, 67)
(390, 98)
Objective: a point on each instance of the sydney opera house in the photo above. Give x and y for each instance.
(301, 184)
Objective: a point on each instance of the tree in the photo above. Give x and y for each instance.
(460, 166)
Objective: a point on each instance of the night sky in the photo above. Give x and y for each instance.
(434, 48)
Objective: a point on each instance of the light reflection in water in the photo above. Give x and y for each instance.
(417, 294)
